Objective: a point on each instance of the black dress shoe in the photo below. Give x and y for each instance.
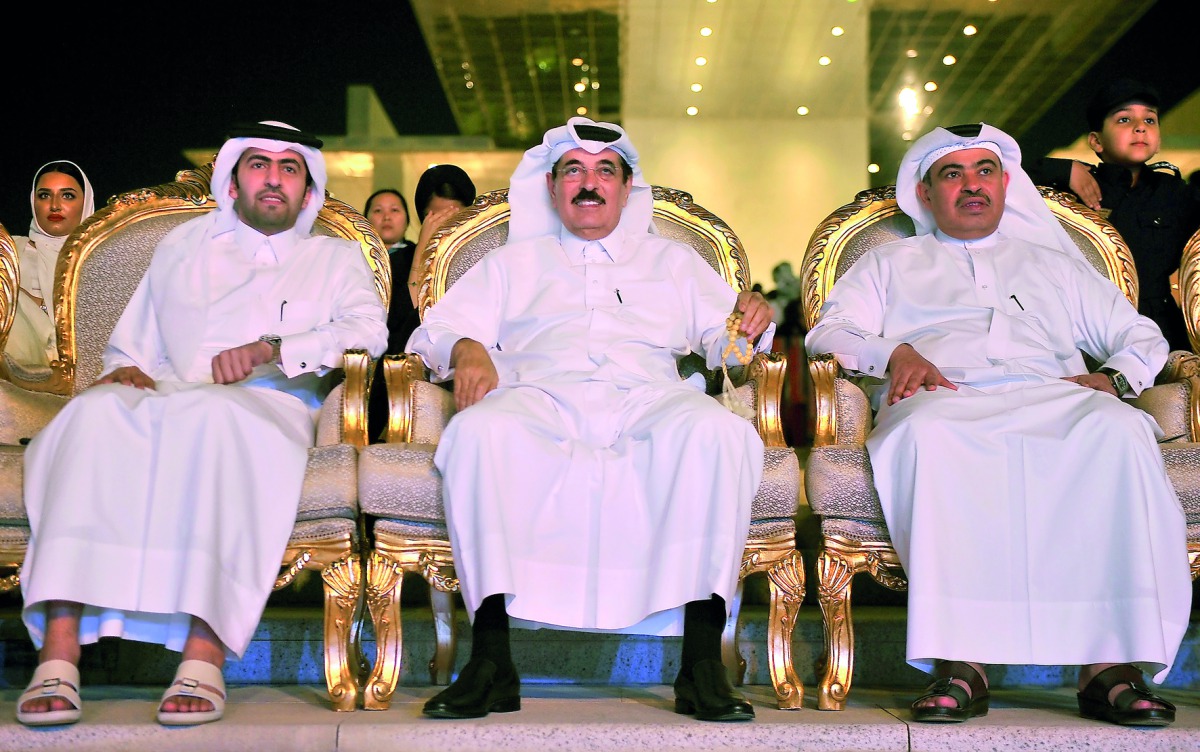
(482, 687)
(709, 695)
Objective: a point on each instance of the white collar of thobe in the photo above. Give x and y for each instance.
(251, 241)
(574, 246)
(990, 241)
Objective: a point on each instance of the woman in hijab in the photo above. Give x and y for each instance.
(61, 198)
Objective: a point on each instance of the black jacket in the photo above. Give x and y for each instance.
(1156, 218)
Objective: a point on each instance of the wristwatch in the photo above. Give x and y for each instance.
(274, 340)
(1120, 384)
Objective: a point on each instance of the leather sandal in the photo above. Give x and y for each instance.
(54, 678)
(1093, 700)
(969, 704)
(194, 678)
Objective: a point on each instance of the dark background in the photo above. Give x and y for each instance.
(123, 95)
(1158, 49)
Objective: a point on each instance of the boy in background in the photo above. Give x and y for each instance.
(1155, 212)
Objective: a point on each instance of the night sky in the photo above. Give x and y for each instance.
(124, 104)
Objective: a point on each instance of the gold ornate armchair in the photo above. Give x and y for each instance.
(838, 478)
(101, 264)
(400, 490)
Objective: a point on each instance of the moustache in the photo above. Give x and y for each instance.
(587, 194)
(971, 195)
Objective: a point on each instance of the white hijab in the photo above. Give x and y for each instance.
(532, 213)
(1026, 215)
(226, 161)
(41, 250)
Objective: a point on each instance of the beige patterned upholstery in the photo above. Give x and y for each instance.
(400, 490)
(838, 479)
(105, 259)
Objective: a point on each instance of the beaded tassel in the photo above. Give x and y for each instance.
(727, 398)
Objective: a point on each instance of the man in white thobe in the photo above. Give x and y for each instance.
(587, 485)
(1028, 503)
(161, 499)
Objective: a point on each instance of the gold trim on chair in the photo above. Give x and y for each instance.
(188, 194)
(392, 557)
(359, 374)
(677, 207)
(399, 374)
(837, 563)
(767, 369)
(490, 211)
(484, 224)
(870, 220)
(823, 370)
(10, 284)
(335, 555)
(778, 557)
(823, 262)
(1115, 256)
(1189, 289)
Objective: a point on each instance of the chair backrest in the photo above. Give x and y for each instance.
(874, 218)
(483, 227)
(1189, 289)
(105, 259)
(9, 283)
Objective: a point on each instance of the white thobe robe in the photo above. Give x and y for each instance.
(151, 506)
(1033, 516)
(594, 487)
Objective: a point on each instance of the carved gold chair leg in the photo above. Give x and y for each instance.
(343, 592)
(839, 561)
(441, 666)
(384, 581)
(834, 575)
(386, 566)
(786, 578)
(341, 575)
(435, 562)
(731, 654)
(778, 558)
